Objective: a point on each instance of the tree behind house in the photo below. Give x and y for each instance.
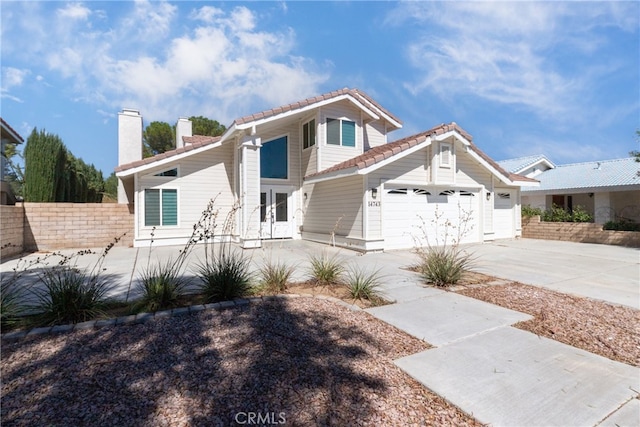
(44, 157)
(157, 138)
(53, 174)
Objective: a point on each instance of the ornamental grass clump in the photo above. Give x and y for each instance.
(161, 286)
(442, 262)
(274, 276)
(443, 266)
(363, 285)
(11, 307)
(69, 296)
(225, 276)
(325, 270)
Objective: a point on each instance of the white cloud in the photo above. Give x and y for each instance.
(507, 52)
(13, 77)
(74, 11)
(219, 63)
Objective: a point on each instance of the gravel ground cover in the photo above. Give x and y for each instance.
(302, 361)
(609, 330)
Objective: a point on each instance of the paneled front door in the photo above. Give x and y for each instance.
(275, 213)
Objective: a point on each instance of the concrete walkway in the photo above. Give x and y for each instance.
(501, 375)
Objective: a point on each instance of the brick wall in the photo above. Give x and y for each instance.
(533, 228)
(11, 230)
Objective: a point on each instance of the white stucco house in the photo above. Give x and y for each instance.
(608, 189)
(321, 169)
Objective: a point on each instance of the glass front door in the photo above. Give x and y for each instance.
(274, 213)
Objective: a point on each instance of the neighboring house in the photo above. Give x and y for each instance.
(608, 189)
(9, 136)
(321, 169)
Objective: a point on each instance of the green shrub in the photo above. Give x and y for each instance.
(579, 214)
(363, 285)
(10, 306)
(69, 296)
(275, 276)
(556, 214)
(325, 270)
(621, 225)
(528, 211)
(444, 265)
(225, 276)
(161, 286)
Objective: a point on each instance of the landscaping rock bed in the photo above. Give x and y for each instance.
(609, 330)
(306, 361)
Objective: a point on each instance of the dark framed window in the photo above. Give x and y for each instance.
(341, 132)
(274, 161)
(160, 207)
(309, 134)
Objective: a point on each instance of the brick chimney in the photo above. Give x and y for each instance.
(184, 127)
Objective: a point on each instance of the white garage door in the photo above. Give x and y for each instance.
(503, 215)
(414, 216)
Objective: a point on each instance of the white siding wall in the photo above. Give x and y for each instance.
(250, 193)
(374, 134)
(335, 206)
(202, 177)
(535, 201)
(411, 168)
(333, 154)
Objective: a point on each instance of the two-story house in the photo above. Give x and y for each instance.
(320, 169)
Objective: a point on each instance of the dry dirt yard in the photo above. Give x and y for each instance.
(305, 360)
(609, 330)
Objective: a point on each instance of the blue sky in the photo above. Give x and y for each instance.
(554, 78)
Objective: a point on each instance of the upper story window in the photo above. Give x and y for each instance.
(341, 132)
(169, 173)
(309, 134)
(274, 159)
(445, 154)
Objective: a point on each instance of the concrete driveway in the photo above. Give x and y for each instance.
(499, 374)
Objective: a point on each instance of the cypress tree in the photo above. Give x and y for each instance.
(44, 157)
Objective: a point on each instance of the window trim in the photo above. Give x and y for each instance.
(287, 136)
(445, 146)
(304, 134)
(144, 210)
(341, 142)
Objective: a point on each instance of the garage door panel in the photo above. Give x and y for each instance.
(422, 217)
(503, 215)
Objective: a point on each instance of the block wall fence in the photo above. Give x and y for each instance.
(52, 226)
(584, 232)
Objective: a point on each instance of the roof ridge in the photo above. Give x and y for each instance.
(621, 159)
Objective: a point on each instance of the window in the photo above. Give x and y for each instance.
(341, 132)
(160, 207)
(170, 172)
(309, 134)
(447, 193)
(421, 192)
(445, 154)
(274, 159)
(466, 193)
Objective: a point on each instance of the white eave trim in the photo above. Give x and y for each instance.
(168, 160)
(313, 106)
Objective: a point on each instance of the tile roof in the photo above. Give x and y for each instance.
(194, 142)
(605, 173)
(359, 95)
(15, 135)
(382, 152)
(197, 141)
(520, 163)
